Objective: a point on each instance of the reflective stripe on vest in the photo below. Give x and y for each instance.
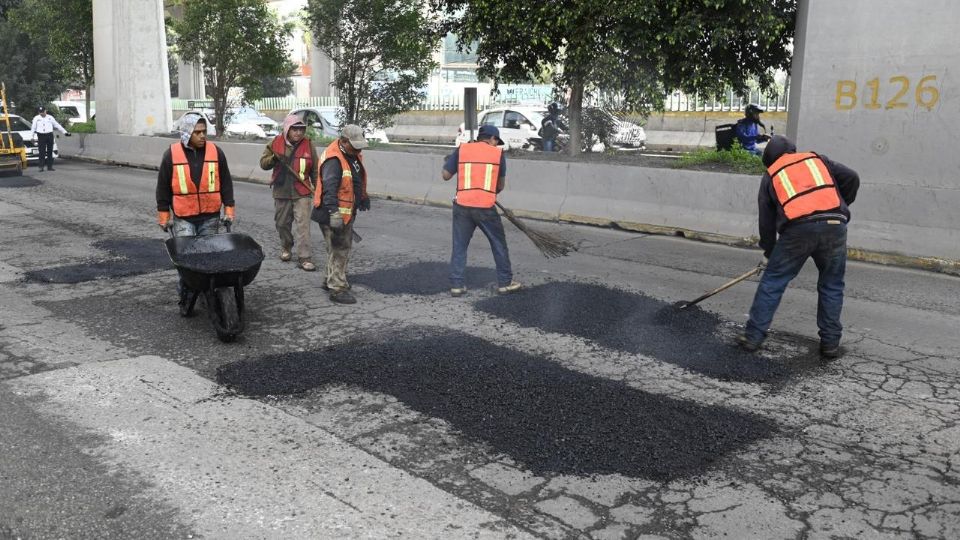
(346, 198)
(478, 171)
(803, 185)
(189, 198)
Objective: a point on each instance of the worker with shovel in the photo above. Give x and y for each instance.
(293, 159)
(804, 198)
(481, 170)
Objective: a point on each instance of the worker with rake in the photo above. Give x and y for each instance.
(480, 167)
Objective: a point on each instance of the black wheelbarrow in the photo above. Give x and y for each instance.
(217, 266)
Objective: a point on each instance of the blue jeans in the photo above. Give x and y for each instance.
(465, 220)
(182, 227)
(826, 242)
(548, 145)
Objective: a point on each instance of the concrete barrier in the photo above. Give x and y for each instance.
(889, 226)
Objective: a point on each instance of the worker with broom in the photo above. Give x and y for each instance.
(804, 198)
(481, 168)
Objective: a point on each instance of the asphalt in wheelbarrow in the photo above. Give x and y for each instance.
(215, 254)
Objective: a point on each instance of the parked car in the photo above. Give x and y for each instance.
(626, 134)
(245, 120)
(325, 121)
(517, 125)
(22, 126)
(75, 111)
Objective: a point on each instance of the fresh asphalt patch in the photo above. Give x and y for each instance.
(423, 278)
(638, 324)
(126, 257)
(539, 413)
(19, 181)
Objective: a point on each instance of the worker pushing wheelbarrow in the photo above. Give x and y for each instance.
(193, 185)
(217, 266)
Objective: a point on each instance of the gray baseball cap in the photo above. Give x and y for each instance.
(354, 134)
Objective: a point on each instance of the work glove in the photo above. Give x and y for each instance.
(163, 219)
(364, 205)
(336, 221)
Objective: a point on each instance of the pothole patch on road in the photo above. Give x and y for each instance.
(424, 278)
(19, 182)
(541, 414)
(127, 257)
(638, 324)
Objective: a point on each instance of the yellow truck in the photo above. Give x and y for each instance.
(13, 154)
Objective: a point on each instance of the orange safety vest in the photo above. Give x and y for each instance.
(189, 198)
(346, 199)
(302, 162)
(803, 185)
(477, 173)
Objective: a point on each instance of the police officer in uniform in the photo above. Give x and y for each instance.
(42, 129)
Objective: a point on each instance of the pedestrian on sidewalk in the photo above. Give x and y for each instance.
(343, 192)
(804, 198)
(293, 159)
(42, 129)
(193, 184)
(748, 132)
(481, 170)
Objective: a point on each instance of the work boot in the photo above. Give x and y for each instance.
(308, 266)
(458, 291)
(509, 288)
(51, 168)
(285, 255)
(830, 351)
(40, 169)
(342, 296)
(746, 344)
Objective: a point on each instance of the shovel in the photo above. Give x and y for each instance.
(725, 286)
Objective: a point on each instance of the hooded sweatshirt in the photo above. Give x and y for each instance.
(283, 185)
(164, 191)
(773, 220)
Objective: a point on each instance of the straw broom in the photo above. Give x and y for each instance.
(549, 246)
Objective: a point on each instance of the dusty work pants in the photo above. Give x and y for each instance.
(339, 243)
(292, 217)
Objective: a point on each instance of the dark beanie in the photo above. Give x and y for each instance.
(776, 147)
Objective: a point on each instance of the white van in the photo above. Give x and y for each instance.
(76, 111)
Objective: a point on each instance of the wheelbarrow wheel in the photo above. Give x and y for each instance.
(224, 313)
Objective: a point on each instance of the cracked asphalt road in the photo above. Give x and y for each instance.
(416, 414)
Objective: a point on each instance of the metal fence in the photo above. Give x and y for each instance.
(673, 102)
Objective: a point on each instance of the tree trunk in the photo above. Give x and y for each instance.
(576, 117)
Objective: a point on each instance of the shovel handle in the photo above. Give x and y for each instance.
(725, 286)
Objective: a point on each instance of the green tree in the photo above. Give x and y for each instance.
(31, 76)
(629, 50)
(66, 28)
(382, 52)
(239, 42)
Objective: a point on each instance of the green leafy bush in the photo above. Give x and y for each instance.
(736, 158)
(84, 127)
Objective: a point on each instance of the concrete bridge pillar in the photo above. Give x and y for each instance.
(190, 83)
(130, 52)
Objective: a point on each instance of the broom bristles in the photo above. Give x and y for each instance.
(550, 246)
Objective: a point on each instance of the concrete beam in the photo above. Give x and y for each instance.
(130, 52)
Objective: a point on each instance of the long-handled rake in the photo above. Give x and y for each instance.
(752, 272)
(550, 246)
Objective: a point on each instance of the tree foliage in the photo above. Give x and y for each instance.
(239, 43)
(630, 50)
(31, 76)
(66, 28)
(382, 52)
